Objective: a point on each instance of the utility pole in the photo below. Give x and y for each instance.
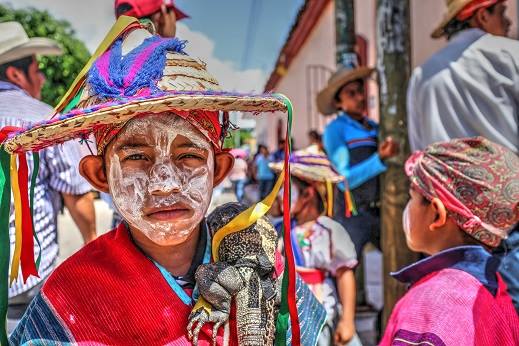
(345, 33)
(394, 69)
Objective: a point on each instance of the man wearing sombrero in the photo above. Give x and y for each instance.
(58, 183)
(324, 253)
(471, 86)
(159, 121)
(351, 143)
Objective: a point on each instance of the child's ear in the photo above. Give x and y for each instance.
(440, 214)
(223, 163)
(91, 168)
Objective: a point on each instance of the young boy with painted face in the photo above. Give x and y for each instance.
(464, 201)
(324, 253)
(153, 111)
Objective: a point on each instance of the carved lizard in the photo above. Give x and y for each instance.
(244, 274)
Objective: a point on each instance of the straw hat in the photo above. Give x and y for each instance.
(453, 8)
(15, 44)
(326, 97)
(139, 74)
(310, 166)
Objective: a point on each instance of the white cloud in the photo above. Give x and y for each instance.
(228, 75)
(91, 19)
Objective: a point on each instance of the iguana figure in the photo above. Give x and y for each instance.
(244, 274)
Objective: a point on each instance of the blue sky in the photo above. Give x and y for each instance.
(239, 39)
(229, 22)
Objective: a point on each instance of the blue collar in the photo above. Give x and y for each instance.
(472, 259)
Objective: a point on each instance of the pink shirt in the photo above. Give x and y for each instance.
(456, 298)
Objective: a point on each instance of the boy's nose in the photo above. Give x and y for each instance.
(163, 180)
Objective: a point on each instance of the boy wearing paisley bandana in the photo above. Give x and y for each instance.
(463, 203)
(159, 121)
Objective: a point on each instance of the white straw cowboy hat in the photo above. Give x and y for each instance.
(326, 98)
(453, 8)
(15, 44)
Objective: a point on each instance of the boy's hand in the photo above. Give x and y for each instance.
(344, 332)
(388, 148)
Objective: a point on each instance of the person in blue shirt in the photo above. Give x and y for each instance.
(263, 173)
(351, 143)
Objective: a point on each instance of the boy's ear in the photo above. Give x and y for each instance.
(440, 214)
(223, 163)
(309, 193)
(91, 167)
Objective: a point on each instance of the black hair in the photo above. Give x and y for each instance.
(336, 97)
(314, 135)
(303, 185)
(425, 201)
(21, 64)
(455, 26)
(122, 9)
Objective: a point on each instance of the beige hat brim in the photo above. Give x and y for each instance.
(326, 98)
(450, 15)
(320, 174)
(84, 121)
(35, 46)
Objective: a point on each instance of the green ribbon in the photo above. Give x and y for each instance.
(73, 103)
(35, 170)
(5, 244)
(282, 321)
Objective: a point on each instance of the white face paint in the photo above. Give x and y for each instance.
(406, 222)
(161, 176)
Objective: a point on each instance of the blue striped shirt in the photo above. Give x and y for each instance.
(58, 174)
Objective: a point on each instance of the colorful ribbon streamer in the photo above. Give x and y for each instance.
(329, 198)
(246, 218)
(15, 263)
(288, 295)
(35, 171)
(349, 204)
(27, 251)
(5, 209)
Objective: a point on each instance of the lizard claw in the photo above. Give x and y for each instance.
(196, 321)
(198, 318)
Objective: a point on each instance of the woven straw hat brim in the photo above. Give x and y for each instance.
(83, 121)
(320, 174)
(453, 8)
(326, 97)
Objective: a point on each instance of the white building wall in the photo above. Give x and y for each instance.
(319, 50)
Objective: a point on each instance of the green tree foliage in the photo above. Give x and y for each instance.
(60, 71)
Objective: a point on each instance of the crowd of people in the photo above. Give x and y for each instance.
(167, 275)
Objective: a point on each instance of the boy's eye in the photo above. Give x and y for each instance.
(190, 157)
(136, 157)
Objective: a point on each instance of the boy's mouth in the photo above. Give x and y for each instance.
(169, 213)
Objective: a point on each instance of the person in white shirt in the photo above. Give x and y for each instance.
(471, 86)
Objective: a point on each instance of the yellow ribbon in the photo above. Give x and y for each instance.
(15, 264)
(246, 218)
(117, 29)
(329, 198)
(201, 303)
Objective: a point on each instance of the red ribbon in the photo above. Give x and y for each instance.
(27, 256)
(6, 130)
(292, 305)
